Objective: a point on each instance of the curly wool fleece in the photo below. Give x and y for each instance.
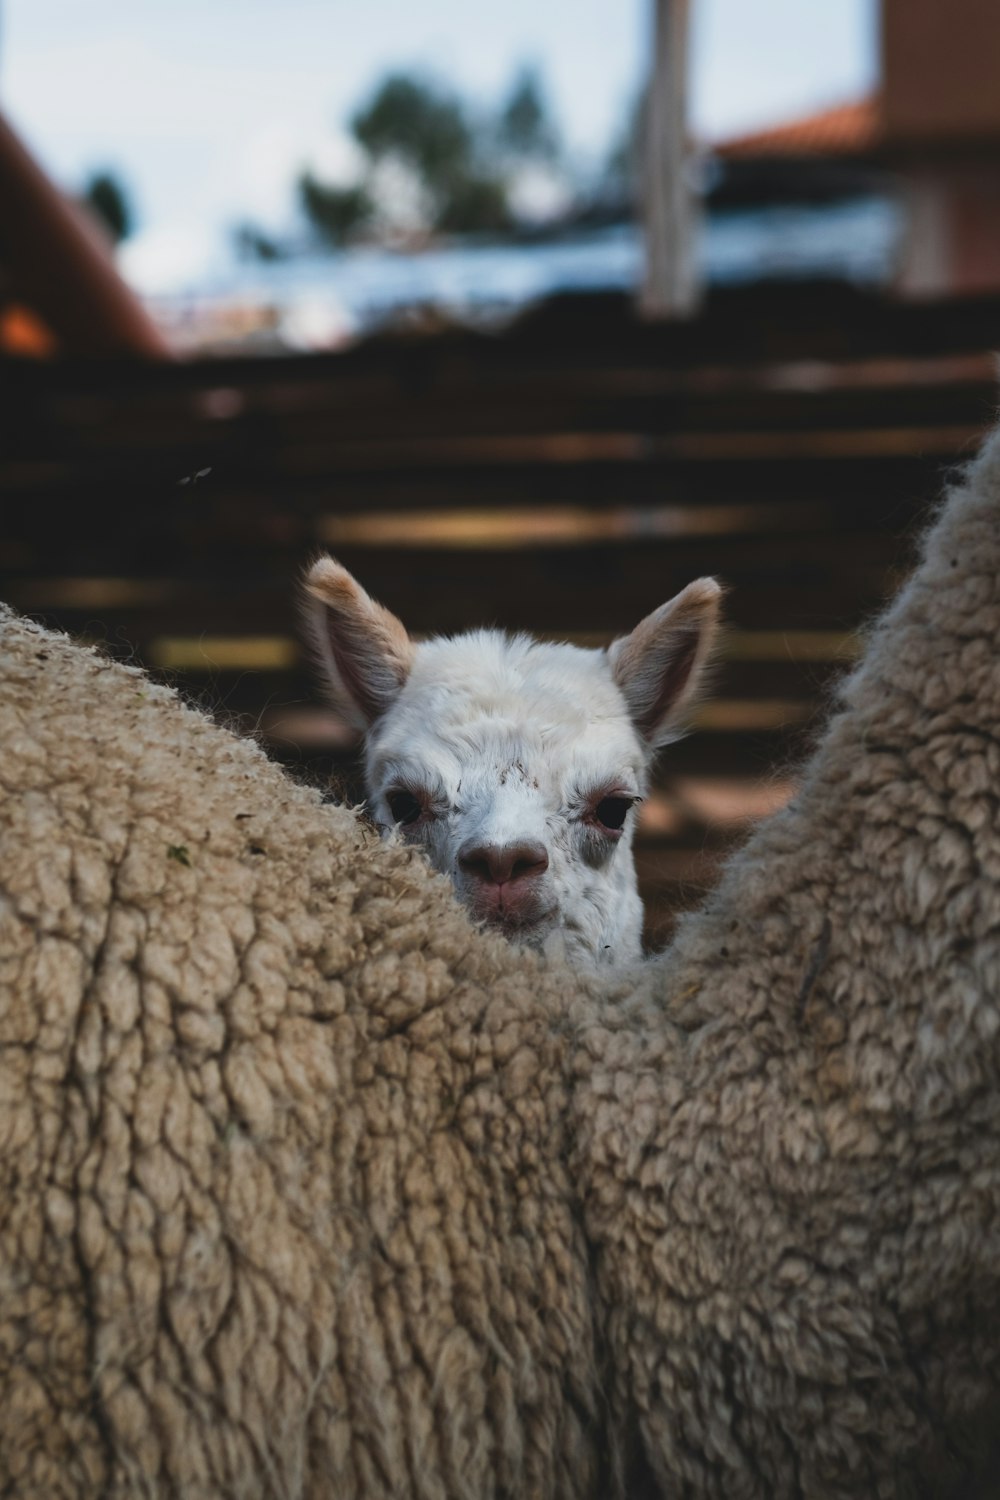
(309, 1189)
(284, 1210)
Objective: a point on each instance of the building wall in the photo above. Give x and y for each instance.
(952, 243)
(941, 70)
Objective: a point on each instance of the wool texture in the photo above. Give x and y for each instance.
(284, 1209)
(308, 1188)
(790, 1150)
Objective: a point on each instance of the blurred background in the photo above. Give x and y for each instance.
(530, 315)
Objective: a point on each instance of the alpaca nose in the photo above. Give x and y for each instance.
(498, 864)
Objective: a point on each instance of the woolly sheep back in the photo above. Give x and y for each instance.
(285, 1211)
(819, 1180)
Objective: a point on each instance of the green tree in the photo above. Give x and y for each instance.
(476, 203)
(525, 128)
(336, 214)
(420, 122)
(109, 201)
(463, 165)
(428, 129)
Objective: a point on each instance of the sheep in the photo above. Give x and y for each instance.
(801, 1125)
(513, 764)
(281, 1214)
(311, 1187)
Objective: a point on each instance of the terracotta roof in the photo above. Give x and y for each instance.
(846, 130)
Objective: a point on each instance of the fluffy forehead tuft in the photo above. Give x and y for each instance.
(482, 688)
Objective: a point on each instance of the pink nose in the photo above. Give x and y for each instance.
(499, 864)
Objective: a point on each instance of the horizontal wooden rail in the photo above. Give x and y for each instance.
(563, 480)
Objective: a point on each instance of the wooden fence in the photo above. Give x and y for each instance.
(564, 479)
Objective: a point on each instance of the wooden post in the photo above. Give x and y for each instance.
(671, 285)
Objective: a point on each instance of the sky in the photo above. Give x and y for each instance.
(209, 109)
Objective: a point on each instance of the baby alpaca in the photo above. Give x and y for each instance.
(515, 765)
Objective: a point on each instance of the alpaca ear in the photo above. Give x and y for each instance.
(660, 665)
(364, 650)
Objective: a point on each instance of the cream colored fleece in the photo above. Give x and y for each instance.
(308, 1189)
(791, 1158)
(284, 1209)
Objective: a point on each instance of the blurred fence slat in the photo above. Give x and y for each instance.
(563, 479)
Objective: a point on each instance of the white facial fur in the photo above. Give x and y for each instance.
(509, 761)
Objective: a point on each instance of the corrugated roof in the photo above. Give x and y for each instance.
(845, 130)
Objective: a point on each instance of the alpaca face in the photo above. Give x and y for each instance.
(516, 766)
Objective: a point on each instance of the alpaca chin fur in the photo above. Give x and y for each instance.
(310, 1188)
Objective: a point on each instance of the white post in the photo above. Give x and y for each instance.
(671, 287)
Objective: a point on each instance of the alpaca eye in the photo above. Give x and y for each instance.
(611, 812)
(405, 808)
